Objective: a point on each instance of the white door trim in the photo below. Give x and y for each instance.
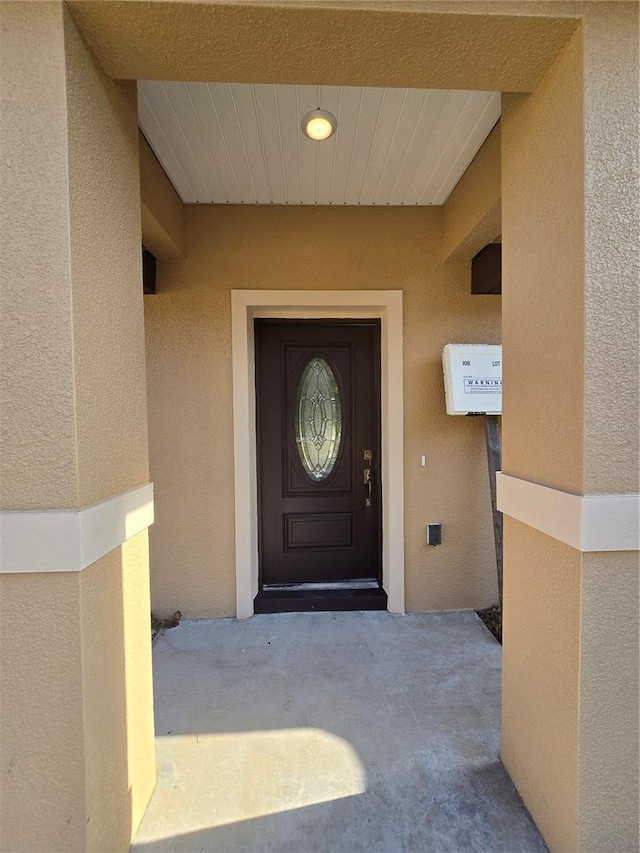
(386, 305)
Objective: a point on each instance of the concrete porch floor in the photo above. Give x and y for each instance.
(341, 732)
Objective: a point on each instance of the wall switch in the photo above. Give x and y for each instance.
(434, 534)
(423, 461)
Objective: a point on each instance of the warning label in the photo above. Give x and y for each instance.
(480, 385)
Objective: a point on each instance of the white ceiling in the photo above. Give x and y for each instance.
(237, 143)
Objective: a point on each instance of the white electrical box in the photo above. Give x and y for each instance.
(473, 379)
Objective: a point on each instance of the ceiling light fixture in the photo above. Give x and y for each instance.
(319, 125)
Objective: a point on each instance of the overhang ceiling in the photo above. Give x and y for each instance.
(241, 143)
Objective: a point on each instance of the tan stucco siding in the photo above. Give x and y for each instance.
(362, 46)
(609, 777)
(541, 653)
(543, 275)
(70, 241)
(162, 209)
(612, 248)
(190, 396)
(570, 250)
(42, 791)
(473, 211)
(37, 458)
(77, 759)
(108, 330)
(118, 694)
(76, 722)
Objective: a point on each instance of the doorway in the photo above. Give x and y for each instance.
(318, 441)
(382, 305)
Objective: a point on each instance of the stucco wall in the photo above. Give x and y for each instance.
(105, 260)
(42, 790)
(37, 462)
(543, 269)
(609, 745)
(570, 255)
(541, 663)
(77, 753)
(473, 213)
(112, 454)
(62, 247)
(162, 208)
(188, 331)
(609, 773)
(612, 248)
(118, 695)
(361, 46)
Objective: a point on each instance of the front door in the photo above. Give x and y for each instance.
(318, 428)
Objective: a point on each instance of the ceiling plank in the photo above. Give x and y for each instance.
(289, 126)
(386, 133)
(203, 101)
(419, 144)
(259, 135)
(329, 100)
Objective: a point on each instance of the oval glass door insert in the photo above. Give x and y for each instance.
(319, 419)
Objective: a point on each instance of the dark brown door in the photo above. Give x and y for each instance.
(318, 425)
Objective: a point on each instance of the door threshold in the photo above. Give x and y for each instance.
(368, 583)
(287, 600)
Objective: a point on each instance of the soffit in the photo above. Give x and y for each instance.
(242, 143)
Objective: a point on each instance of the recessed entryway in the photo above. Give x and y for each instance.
(382, 306)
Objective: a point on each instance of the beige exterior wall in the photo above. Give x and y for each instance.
(541, 664)
(543, 272)
(38, 453)
(473, 211)
(608, 778)
(543, 265)
(612, 248)
(41, 722)
(609, 773)
(105, 264)
(76, 707)
(118, 694)
(77, 720)
(570, 255)
(190, 397)
(162, 208)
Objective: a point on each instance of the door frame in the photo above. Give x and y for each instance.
(246, 306)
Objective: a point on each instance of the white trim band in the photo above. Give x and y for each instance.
(71, 540)
(585, 522)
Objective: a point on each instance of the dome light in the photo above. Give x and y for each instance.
(319, 125)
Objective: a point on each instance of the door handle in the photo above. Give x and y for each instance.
(368, 477)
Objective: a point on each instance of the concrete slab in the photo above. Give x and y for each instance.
(341, 732)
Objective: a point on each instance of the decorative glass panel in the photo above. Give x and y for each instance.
(319, 419)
